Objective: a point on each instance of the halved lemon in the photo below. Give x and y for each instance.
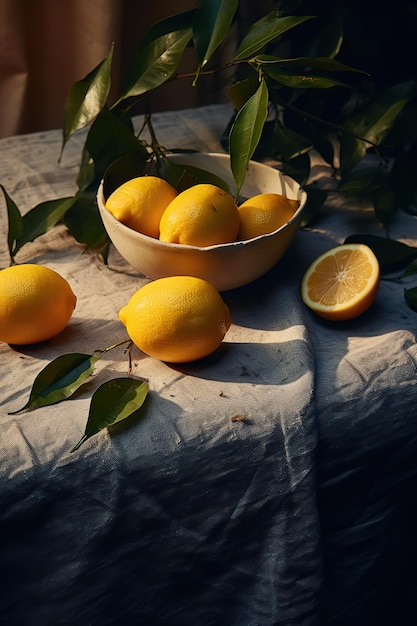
(341, 283)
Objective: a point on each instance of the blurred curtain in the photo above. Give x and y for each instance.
(47, 45)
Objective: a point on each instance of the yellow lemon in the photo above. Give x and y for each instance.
(341, 283)
(202, 215)
(176, 319)
(36, 304)
(265, 213)
(140, 202)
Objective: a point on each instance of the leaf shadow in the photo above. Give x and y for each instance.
(279, 363)
(80, 335)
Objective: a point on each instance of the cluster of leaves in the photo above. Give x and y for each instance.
(285, 108)
(281, 107)
(114, 401)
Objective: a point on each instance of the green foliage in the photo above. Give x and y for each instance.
(15, 222)
(410, 296)
(296, 86)
(86, 98)
(211, 25)
(112, 402)
(59, 380)
(246, 132)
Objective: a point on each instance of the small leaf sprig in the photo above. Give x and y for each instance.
(113, 401)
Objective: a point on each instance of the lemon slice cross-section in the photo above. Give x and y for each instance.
(341, 283)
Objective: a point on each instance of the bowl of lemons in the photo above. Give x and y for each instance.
(203, 230)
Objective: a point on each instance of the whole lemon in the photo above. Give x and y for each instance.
(36, 304)
(264, 213)
(202, 215)
(176, 319)
(140, 202)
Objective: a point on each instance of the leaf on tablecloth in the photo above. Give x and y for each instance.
(41, 218)
(410, 296)
(60, 379)
(114, 401)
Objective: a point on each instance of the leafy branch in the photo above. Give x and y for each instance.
(285, 107)
(264, 82)
(113, 401)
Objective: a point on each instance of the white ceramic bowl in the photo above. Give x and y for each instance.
(226, 266)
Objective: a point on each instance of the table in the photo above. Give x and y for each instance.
(273, 484)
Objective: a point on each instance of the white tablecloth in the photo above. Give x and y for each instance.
(302, 513)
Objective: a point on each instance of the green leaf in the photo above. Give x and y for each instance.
(84, 222)
(241, 91)
(41, 218)
(183, 176)
(114, 401)
(125, 168)
(361, 183)
(320, 139)
(371, 123)
(404, 132)
(87, 97)
(303, 72)
(391, 254)
(295, 80)
(211, 25)
(328, 38)
(410, 296)
(305, 64)
(410, 270)
(265, 31)
(290, 144)
(156, 63)
(15, 222)
(371, 184)
(315, 200)
(246, 132)
(384, 201)
(109, 139)
(298, 168)
(404, 179)
(60, 379)
(170, 24)
(86, 176)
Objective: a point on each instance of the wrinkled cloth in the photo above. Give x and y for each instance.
(270, 484)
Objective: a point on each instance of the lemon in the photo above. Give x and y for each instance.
(36, 304)
(140, 202)
(341, 283)
(202, 215)
(176, 319)
(264, 213)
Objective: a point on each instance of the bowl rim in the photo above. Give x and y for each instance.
(232, 244)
